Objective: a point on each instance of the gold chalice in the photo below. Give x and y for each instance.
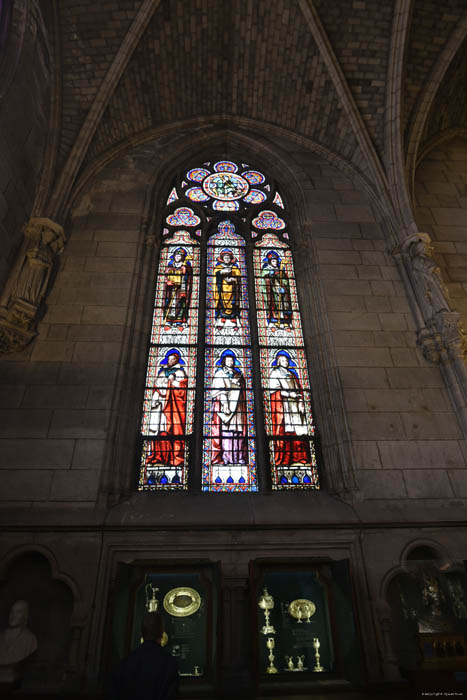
(266, 603)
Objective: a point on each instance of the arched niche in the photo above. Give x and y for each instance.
(426, 595)
(29, 577)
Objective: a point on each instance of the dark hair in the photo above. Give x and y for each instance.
(152, 626)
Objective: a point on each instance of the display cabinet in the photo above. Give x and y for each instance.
(186, 595)
(304, 623)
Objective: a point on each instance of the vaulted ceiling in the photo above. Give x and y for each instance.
(323, 70)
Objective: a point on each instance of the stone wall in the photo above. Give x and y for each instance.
(24, 121)
(441, 196)
(64, 408)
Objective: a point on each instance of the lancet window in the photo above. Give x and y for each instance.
(227, 384)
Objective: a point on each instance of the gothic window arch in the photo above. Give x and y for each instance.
(227, 403)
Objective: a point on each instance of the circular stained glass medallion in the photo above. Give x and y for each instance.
(197, 174)
(225, 166)
(196, 194)
(226, 206)
(254, 177)
(225, 186)
(255, 197)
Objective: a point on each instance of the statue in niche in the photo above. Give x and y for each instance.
(29, 278)
(17, 642)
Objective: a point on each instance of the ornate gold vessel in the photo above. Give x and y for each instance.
(181, 602)
(302, 609)
(266, 603)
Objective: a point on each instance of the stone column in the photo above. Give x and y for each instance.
(28, 283)
(440, 335)
(389, 659)
(236, 643)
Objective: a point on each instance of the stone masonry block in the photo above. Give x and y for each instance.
(375, 426)
(74, 485)
(346, 287)
(334, 257)
(363, 357)
(106, 265)
(11, 395)
(113, 334)
(117, 250)
(354, 321)
(354, 212)
(26, 485)
(390, 339)
(431, 426)
(89, 454)
(392, 322)
(100, 397)
(404, 357)
(377, 484)
(32, 373)
(337, 272)
(55, 397)
(363, 378)
(345, 303)
(401, 378)
(366, 455)
(24, 423)
(114, 316)
(52, 350)
(378, 304)
(40, 454)
(336, 229)
(97, 352)
(87, 373)
(329, 244)
(450, 216)
(403, 400)
(64, 313)
(413, 454)
(79, 424)
(353, 338)
(426, 483)
(458, 479)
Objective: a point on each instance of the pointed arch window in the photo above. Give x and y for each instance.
(227, 400)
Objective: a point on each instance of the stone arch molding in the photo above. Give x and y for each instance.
(78, 613)
(198, 133)
(297, 187)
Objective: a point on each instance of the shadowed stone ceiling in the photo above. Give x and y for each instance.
(255, 59)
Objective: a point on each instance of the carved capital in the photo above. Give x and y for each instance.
(431, 344)
(28, 282)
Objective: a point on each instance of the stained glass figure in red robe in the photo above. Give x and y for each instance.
(177, 290)
(288, 413)
(229, 429)
(168, 411)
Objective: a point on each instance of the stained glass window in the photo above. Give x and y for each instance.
(229, 451)
(284, 375)
(227, 360)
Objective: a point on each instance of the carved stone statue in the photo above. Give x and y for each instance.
(28, 281)
(17, 642)
(417, 254)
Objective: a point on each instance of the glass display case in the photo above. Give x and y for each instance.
(304, 622)
(429, 615)
(186, 597)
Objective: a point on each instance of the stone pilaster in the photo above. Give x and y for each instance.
(28, 283)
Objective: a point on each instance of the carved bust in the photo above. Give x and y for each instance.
(17, 642)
